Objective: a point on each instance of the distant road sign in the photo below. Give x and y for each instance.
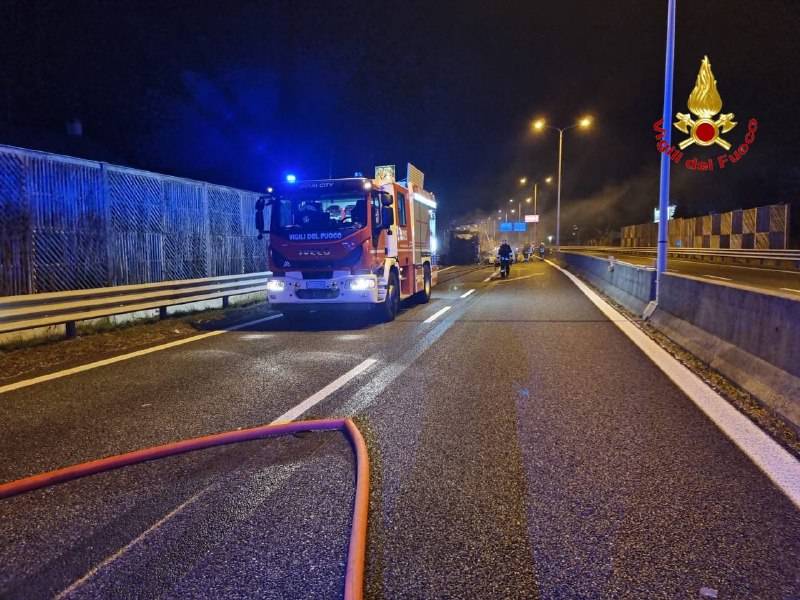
(531, 218)
(506, 226)
(670, 213)
(520, 226)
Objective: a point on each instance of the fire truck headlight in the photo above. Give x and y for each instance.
(359, 284)
(275, 285)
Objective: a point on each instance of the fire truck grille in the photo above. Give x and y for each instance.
(326, 294)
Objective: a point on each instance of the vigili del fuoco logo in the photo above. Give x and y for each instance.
(705, 130)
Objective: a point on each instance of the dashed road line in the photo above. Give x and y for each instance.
(437, 314)
(520, 277)
(108, 560)
(293, 413)
(719, 277)
(467, 293)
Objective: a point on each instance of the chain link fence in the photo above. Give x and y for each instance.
(68, 224)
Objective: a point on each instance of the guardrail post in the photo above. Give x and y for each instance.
(162, 312)
(71, 329)
(225, 302)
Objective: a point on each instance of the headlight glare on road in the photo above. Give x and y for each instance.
(275, 285)
(360, 284)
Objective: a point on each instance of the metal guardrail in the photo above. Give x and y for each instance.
(55, 308)
(790, 255)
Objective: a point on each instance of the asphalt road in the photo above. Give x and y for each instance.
(773, 279)
(521, 447)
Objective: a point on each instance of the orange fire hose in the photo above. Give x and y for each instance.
(354, 573)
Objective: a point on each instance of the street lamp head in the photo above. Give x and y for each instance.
(538, 124)
(548, 179)
(510, 199)
(499, 210)
(528, 199)
(585, 122)
(523, 180)
(513, 210)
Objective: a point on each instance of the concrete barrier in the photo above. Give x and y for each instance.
(630, 285)
(750, 336)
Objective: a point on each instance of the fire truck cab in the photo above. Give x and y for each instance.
(349, 244)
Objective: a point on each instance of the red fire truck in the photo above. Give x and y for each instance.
(360, 244)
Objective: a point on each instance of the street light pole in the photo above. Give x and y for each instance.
(535, 212)
(558, 194)
(663, 191)
(540, 124)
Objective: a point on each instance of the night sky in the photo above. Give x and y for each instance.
(240, 93)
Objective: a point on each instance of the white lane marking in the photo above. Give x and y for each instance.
(467, 293)
(718, 277)
(489, 278)
(520, 277)
(115, 359)
(791, 290)
(284, 472)
(109, 559)
(776, 463)
(318, 397)
(446, 268)
(437, 314)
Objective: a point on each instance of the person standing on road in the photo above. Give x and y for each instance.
(506, 253)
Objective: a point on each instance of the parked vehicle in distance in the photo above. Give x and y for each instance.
(464, 246)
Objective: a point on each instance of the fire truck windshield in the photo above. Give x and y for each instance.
(342, 213)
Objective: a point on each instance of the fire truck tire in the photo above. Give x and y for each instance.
(388, 310)
(424, 296)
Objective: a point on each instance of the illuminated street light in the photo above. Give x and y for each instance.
(523, 180)
(547, 179)
(540, 124)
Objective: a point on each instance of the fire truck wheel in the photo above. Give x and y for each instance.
(424, 296)
(390, 307)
